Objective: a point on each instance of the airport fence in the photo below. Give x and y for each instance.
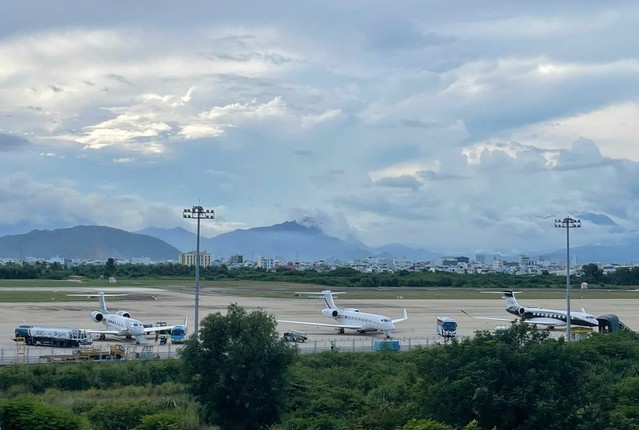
(23, 354)
(368, 344)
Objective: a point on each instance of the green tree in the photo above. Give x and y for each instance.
(237, 368)
(109, 268)
(119, 415)
(423, 424)
(592, 272)
(26, 414)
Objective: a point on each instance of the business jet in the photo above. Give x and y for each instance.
(120, 323)
(541, 316)
(351, 318)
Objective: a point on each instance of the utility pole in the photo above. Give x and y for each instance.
(567, 223)
(199, 213)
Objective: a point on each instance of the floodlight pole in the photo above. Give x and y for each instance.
(567, 223)
(199, 213)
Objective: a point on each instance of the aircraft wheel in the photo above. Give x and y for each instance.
(341, 331)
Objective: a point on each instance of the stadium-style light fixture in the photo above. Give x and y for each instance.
(199, 213)
(567, 223)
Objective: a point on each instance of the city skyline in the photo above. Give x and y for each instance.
(460, 127)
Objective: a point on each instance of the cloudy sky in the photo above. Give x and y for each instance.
(452, 126)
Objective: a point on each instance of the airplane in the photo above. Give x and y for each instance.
(540, 316)
(351, 318)
(121, 323)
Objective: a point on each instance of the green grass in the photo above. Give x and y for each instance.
(49, 290)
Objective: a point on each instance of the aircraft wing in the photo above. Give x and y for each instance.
(404, 318)
(115, 332)
(353, 327)
(164, 327)
(488, 318)
(160, 328)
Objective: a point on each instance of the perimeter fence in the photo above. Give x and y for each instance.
(23, 354)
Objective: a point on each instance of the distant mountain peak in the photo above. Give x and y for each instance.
(295, 226)
(86, 242)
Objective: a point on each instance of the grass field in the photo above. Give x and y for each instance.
(47, 290)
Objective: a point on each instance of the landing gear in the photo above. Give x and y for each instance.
(340, 331)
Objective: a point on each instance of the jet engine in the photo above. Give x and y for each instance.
(333, 313)
(124, 314)
(97, 316)
(521, 311)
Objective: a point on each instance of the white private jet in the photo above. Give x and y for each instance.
(120, 323)
(540, 316)
(350, 318)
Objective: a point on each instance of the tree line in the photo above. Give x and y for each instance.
(240, 375)
(342, 277)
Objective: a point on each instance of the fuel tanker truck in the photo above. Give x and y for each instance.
(63, 337)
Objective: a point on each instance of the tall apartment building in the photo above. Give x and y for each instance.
(188, 258)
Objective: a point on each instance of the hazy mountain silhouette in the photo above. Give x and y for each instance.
(289, 241)
(178, 237)
(86, 242)
(620, 254)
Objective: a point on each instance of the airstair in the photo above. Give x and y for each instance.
(610, 323)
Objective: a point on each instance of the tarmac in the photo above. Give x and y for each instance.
(150, 305)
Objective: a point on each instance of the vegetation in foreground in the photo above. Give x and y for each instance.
(242, 376)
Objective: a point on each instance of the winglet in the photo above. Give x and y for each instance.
(404, 318)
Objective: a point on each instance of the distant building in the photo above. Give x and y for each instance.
(454, 261)
(265, 263)
(524, 261)
(236, 259)
(188, 258)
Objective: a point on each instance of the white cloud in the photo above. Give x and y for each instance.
(452, 126)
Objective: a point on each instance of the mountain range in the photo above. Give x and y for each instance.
(86, 242)
(288, 241)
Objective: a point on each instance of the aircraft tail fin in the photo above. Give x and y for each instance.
(102, 301)
(327, 295)
(511, 301)
(328, 298)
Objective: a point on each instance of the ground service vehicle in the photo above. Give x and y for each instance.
(162, 324)
(446, 327)
(115, 352)
(178, 334)
(295, 336)
(63, 337)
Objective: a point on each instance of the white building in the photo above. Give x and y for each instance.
(265, 263)
(188, 258)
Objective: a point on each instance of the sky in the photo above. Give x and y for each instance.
(457, 126)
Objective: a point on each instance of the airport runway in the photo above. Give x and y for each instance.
(150, 305)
